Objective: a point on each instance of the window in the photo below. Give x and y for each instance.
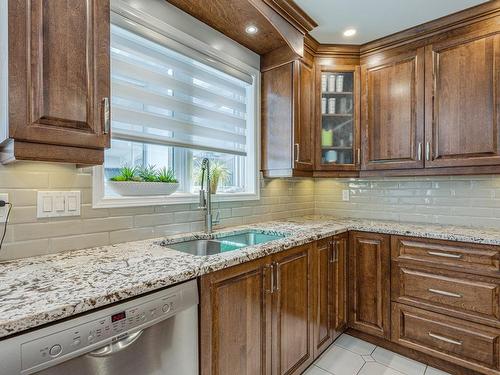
(172, 106)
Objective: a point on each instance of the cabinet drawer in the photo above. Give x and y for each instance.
(467, 344)
(465, 256)
(448, 290)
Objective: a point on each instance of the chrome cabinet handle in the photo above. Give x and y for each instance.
(271, 267)
(297, 151)
(278, 278)
(106, 115)
(428, 151)
(419, 151)
(359, 155)
(332, 251)
(444, 293)
(445, 339)
(116, 347)
(445, 255)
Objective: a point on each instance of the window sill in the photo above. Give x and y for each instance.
(160, 200)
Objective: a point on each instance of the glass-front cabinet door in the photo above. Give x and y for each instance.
(338, 137)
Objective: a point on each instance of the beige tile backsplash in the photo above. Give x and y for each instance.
(470, 201)
(465, 201)
(28, 236)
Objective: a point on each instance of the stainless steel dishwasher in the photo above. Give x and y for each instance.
(156, 334)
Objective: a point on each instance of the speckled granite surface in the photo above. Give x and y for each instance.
(41, 290)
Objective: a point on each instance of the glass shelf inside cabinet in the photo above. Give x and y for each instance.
(337, 119)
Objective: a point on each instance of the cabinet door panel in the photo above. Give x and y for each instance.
(393, 112)
(304, 133)
(235, 316)
(59, 64)
(369, 283)
(324, 295)
(462, 124)
(340, 285)
(292, 321)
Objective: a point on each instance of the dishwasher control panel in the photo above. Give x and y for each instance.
(99, 332)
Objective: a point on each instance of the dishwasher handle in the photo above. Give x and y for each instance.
(116, 347)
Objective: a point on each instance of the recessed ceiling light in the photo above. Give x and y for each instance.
(251, 29)
(350, 32)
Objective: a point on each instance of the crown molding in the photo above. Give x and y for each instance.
(294, 14)
(429, 29)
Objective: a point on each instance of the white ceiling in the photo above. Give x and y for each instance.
(374, 19)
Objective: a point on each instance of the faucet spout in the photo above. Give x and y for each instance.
(206, 196)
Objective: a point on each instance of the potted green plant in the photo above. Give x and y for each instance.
(133, 181)
(219, 174)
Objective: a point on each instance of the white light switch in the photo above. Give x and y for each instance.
(58, 203)
(47, 204)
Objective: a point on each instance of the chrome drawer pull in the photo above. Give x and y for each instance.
(445, 339)
(443, 293)
(445, 255)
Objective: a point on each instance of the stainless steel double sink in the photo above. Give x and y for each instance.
(224, 243)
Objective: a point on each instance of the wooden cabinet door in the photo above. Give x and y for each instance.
(292, 311)
(369, 283)
(392, 115)
(339, 285)
(59, 71)
(462, 102)
(305, 118)
(235, 321)
(324, 293)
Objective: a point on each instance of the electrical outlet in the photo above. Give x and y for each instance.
(345, 195)
(3, 210)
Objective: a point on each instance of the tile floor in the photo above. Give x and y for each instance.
(351, 356)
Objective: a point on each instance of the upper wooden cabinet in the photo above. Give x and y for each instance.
(288, 119)
(337, 130)
(59, 81)
(463, 102)
(393, 112)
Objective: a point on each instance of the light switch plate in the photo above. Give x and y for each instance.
(345, 195)
(3, 210)
(58, 203)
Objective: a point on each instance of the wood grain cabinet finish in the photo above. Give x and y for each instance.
(256, 318)
(466, 257)
(292, 311)
(235, 323)
(459, 341)
(369, 283)
(288, 120)
(59, 76)
(392, 115)
(463, 101)
(467, 296)
(330, 290)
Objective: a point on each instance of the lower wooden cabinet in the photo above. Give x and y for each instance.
(235, 321)
(459, 341)
(256, 318)
(330, 290)
(369, 283)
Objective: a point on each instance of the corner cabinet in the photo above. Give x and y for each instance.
(337, 132)
(288, 119)
(59, 81)
(369, 283)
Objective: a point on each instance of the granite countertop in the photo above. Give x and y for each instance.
(40, 290)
